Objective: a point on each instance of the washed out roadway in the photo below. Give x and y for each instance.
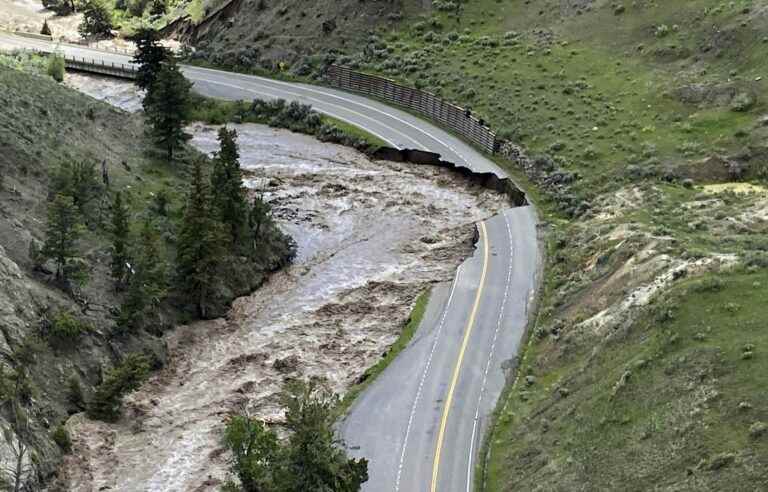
(420, 424)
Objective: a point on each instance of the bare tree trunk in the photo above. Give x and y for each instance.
(18, 474)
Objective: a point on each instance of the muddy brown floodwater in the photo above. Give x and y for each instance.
(371, 237)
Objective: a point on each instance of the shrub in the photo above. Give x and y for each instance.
(75, 393)
(61, 437)
(60, 7)
(709, 284)
(55, 67)
(65, 328)
(97, 19)
(120, 380)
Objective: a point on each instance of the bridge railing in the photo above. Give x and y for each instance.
(126, 71)
(455, 118)
(122, 70)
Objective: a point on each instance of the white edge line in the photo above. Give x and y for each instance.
(423, 379)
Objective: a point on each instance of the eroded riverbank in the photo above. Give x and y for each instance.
(371, 236)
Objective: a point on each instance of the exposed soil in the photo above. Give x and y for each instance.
(371, 237)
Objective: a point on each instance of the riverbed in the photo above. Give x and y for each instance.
(371, 236)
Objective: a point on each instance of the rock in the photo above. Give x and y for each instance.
(743, 101)
(757, 429)
(721, 461)
(287, 364)
(743, 406)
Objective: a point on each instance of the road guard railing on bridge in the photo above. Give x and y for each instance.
(126, 71)
(455, 118)
(82, 64)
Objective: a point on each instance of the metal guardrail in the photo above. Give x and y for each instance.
(121, 70)
(103, 68)
(97, 47)
(456, 118)
(453, 117)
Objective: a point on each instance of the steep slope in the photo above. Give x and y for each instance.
(44, 124)
(60, 339)
(259, 32)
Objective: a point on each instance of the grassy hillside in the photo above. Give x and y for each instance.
(645, 123)
(674, 399)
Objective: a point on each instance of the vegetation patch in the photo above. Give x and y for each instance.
(278, 113)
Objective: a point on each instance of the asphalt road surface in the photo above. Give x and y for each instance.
(420, 424)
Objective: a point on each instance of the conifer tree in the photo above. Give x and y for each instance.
(97, 19)
(119, 239)
(150, 56)
(229, 195)
(200, 246)
(147, 286)
(167, 106)
(259, 216)
(62, 233)
(309, 459)
(79, 180)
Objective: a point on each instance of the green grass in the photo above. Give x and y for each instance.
(357, 132)
(401, 343)
(677, 410)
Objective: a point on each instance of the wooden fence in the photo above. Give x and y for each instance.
(453, 117)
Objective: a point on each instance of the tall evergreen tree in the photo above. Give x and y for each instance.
(200, 247)
(259, 215)
(314, 461)
(150, 56)
(97, 19)
(229, 196)
(167, 106)
(80, 181)
(120, 232)
(310, 459)
(62, 233)
(147, 286)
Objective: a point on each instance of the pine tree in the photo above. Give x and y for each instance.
(258, 217)
(97, 19)
(310, 459)
(200, 247)
(167, 105)
(120, 232)
(150, 56)
(78, 180)
(314, 461)
(229, 195)
(158, 7)
(62, 233)
(147, 286)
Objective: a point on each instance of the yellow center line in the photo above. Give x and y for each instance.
(457, 368)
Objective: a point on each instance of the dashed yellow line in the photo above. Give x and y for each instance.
(457, 368)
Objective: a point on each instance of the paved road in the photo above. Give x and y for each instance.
(421, 422)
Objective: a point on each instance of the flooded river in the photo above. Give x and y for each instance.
(372, 235)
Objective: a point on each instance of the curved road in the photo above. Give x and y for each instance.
(421, 422)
